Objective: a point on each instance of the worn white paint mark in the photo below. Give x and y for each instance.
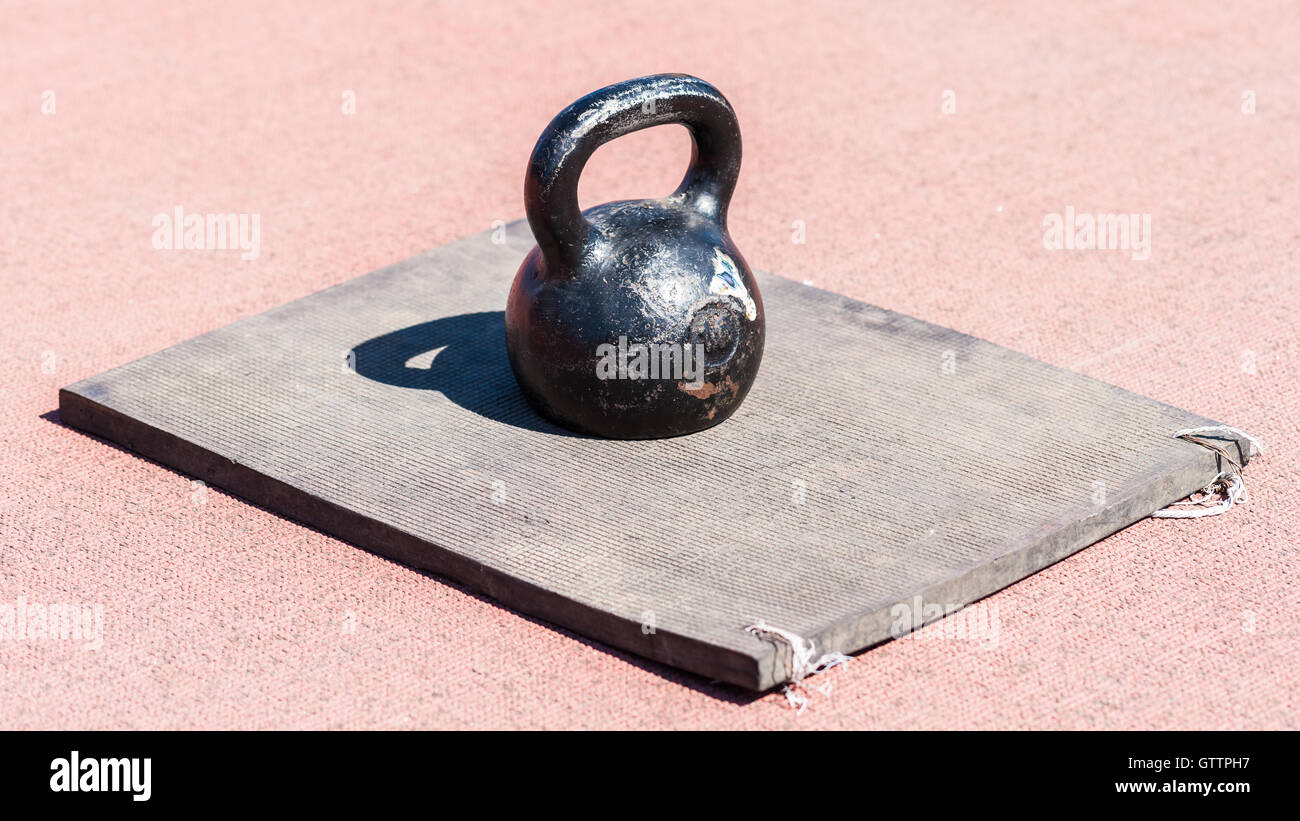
(727, 282)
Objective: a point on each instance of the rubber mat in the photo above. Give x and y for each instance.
(877, 459)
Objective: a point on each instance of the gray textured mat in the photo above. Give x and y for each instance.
(877, 458)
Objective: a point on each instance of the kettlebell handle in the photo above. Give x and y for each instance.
(551, 187)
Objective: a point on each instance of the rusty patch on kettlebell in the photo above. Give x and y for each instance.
(708, 390)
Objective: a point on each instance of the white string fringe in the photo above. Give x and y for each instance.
(801, 661)
(1223, 491)
(1255, 445)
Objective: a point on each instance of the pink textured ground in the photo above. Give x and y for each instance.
(218, 614)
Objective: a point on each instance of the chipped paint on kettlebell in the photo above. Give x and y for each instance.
(727, 282)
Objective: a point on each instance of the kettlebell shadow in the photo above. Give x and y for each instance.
(463, 357)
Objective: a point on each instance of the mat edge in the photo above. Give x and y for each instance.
(1171, 481)
(665, 647)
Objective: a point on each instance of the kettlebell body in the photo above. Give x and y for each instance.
(635, 319)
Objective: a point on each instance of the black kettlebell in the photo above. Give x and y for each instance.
(636, 319)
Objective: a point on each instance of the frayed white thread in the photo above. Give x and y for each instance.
(1223, 491)
(1216, 498)
(801, 662)
(1255, 445)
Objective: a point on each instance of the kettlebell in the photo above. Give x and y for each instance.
(636, 319)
